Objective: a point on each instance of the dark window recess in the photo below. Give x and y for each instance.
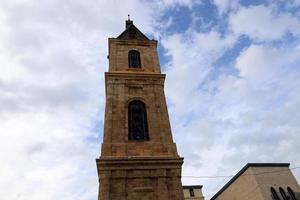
(134, 60)
(283, 194)
(192, 194)
(137, 121)
(274, 194)
(291, 193)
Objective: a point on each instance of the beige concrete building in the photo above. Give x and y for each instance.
(261, 181)
(193, 192)
(139, 160)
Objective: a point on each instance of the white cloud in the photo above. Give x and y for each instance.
(44, 156)
(52, 63)
(188, 3)
(221, 124)
(291, 3)
(192, 57)
(257, 61)
(52, 59)
(262, 23)
(226, 5)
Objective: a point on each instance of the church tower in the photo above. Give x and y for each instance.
(139, 159)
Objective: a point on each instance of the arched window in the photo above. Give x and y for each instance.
(283, 194)
(134, 60)
(137, 121)
(291, 193)
(274, 194)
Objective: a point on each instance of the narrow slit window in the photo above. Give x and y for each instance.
(283, 194)
(134, 60)
(191, 190)
(291, 193)
(137, 121)
(274, 194)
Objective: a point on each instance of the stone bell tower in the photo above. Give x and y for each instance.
(139, 159)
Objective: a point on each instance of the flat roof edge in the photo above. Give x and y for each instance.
(192, 186)
(243, 170)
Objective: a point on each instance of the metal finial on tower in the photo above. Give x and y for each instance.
(128, 22)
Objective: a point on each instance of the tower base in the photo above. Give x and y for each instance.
(140, 178)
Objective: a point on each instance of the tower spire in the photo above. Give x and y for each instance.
(128, 22)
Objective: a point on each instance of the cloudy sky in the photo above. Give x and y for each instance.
(233, 88)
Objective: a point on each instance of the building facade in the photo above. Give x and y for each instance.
(261, 181)
(193, 192)
(139, 160)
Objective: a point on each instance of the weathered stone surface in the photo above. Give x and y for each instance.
(141, 170)
(140, 178)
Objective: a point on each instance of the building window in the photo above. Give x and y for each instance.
(291, 193)
(192, 194)
(283, 194)
(274, 194)
(134, 60)
(137, 121)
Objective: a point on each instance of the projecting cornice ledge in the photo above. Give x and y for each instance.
(134, 74)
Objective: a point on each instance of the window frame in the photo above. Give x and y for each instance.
(274, 194)
(283, 194)
(291, 193)
(134, 59)
(192, 192)
(143, 120)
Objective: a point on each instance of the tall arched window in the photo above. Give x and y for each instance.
(134, 60)
(291, 193)
(283, 194)
(137, 121)
(274, 194)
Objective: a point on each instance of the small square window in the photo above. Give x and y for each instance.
(192, 194)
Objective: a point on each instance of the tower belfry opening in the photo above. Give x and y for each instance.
(139, 160)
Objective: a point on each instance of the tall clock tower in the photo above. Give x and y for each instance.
(139, 159)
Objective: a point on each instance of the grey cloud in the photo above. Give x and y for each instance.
(49, 110)
(253, 117)
(52, 61)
